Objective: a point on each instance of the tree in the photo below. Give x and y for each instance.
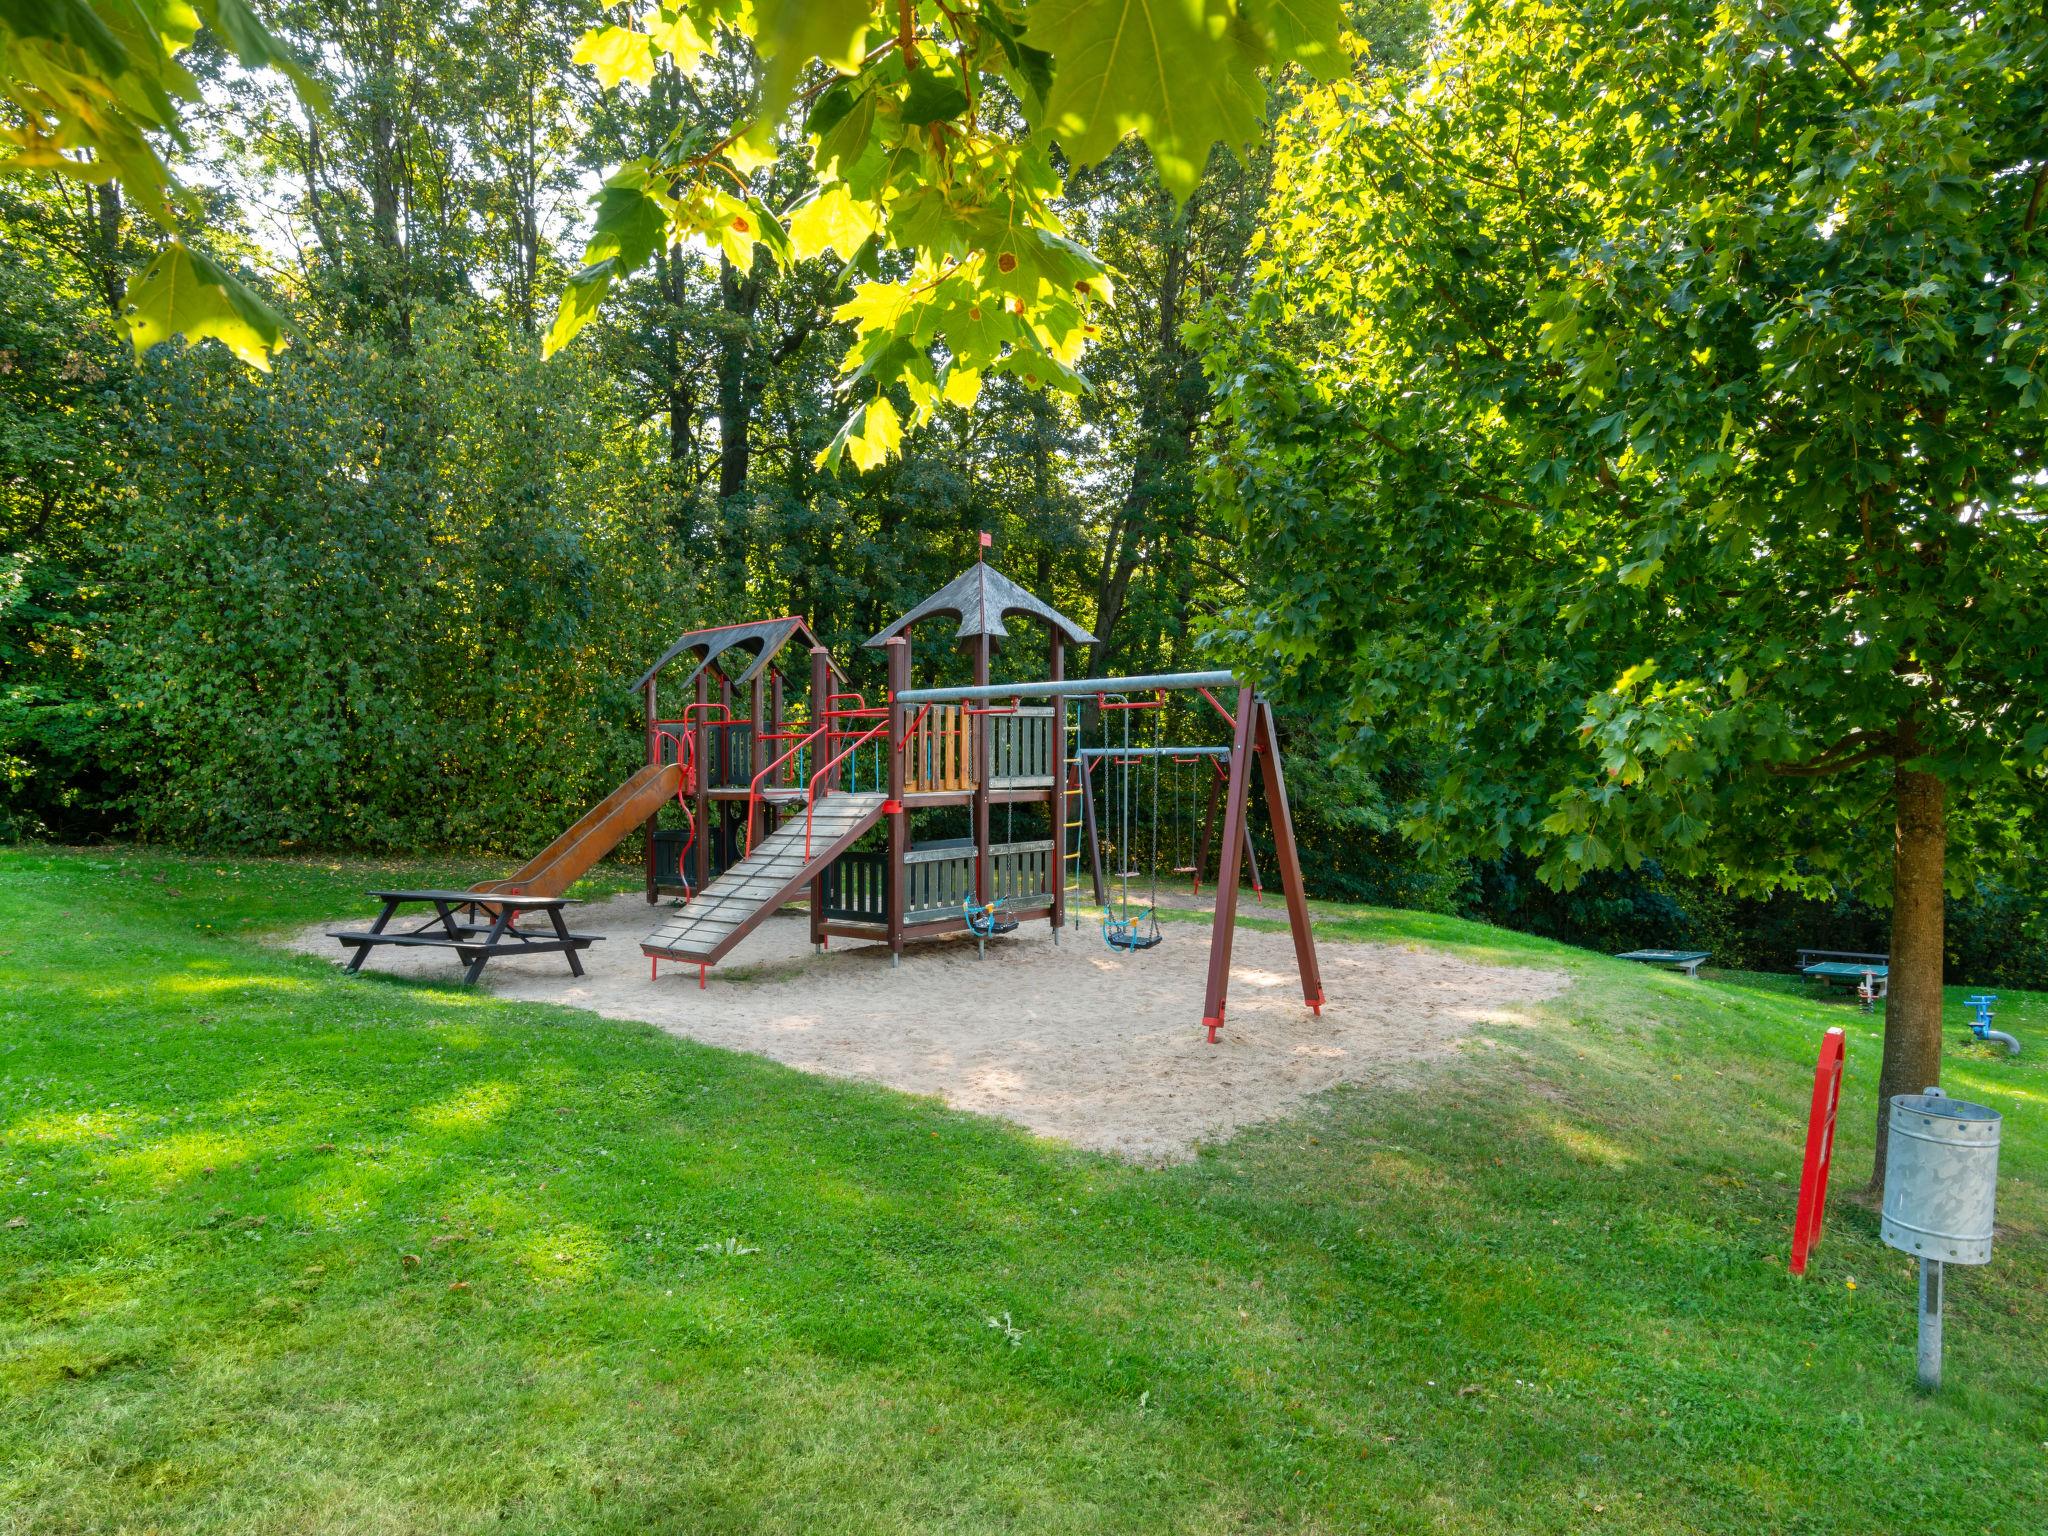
(1643, 408)
(933, 127)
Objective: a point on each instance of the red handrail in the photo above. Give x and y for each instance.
(684, 753)
(754, 788)
(834, 698)
(811, 789)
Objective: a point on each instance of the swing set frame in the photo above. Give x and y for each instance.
(1254, 739)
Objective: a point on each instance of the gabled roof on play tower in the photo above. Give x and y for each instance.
(768, 636)
(982, 595)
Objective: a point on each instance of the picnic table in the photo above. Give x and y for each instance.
(455, 925)
(1868, 974)
(1686, 960)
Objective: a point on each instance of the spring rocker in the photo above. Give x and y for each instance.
(840, 805)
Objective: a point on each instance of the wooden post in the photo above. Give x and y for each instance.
(897, 654)
(1216, 779)
(775, 715)
(979, 735)
(821, 688)
(704, 770)
(1224, 928)
(647, 833)
(727, 816)
(1288, 857)
(1056, 801)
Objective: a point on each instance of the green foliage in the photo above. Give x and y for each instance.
(932, 130)
(88, 83)
(62, 388)
(379, 601)
(1643, 409)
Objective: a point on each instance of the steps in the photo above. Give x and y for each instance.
(730, 907)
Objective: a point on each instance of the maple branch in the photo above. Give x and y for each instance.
(1835, 759)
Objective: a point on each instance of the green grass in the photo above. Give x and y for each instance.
(300, 1254)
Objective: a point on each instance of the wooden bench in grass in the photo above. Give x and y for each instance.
(477, 926)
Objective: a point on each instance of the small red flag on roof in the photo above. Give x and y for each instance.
(987, 539)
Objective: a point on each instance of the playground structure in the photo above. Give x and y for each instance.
(839, 803)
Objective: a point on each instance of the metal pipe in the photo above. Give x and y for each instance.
(1153, 752)
(1930, 1323)
(1073, 687)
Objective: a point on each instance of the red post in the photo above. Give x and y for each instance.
(1820, 1149)
(896, 653)
(1056, 802)
(821, 690)
(704, 776)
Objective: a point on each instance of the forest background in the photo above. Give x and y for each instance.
(391, 596)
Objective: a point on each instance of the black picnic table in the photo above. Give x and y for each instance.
(455, 926)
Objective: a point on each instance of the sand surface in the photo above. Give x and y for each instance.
(1072, 1040)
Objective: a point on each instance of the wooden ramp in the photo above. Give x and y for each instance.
(596, 833)
(730, 907)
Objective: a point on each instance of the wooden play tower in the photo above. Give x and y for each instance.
(833, 805)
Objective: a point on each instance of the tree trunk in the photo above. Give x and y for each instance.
(107, 221)
(1912, 1024)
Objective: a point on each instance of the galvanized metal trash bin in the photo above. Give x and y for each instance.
(1940, 1197)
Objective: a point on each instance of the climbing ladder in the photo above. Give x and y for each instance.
(733, 905)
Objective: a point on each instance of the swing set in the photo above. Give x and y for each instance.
(1114, 773)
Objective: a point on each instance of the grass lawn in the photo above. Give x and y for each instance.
(283, 1252)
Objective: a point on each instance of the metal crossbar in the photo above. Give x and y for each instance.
(1072, 688)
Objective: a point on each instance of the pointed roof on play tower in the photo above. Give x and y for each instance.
(982, 596)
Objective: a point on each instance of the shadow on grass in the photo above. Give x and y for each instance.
(373, 1254)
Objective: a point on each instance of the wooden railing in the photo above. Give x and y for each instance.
(1020, 748)
(938, 750)
(857, 888)
(1021, 872)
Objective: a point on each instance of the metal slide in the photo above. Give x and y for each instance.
(730, 907)
(596, 833)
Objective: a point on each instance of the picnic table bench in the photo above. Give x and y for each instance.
(1686, 960)
(455, 925)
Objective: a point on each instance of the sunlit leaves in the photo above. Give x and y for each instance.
(617, 54)
(1624, 396)
(183, 292)
(833, 220)
(908, 162)
(88, 84)
(580, 300)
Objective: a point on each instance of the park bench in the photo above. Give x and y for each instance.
(1686, 960)
(456, 925)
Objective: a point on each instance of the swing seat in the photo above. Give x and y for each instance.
(988, 922)
(1124, 935)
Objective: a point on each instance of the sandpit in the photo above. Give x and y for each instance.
(1074, 1041)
